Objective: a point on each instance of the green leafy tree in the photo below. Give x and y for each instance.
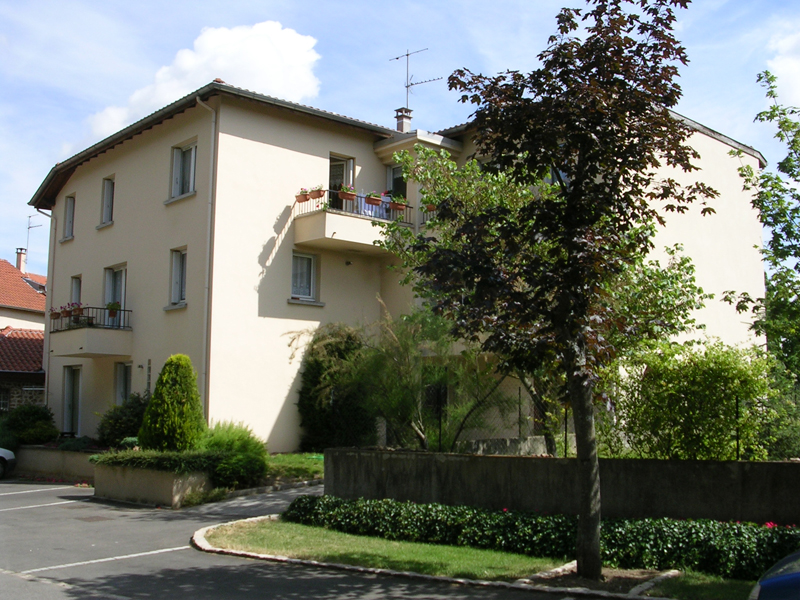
(595, 117)
(174, 418)
(777, 199)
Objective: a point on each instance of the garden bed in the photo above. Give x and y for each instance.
(147, 486)
(39, 461)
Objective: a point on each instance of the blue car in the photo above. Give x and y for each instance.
(780, 582)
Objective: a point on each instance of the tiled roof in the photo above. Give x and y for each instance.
(15, 293)
(41, 279)
(21, 350)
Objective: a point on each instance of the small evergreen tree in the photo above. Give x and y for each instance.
(174, 417)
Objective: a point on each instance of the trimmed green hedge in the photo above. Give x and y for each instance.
(733, 550)
(181, 463)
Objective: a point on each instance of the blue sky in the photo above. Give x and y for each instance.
(73, 72)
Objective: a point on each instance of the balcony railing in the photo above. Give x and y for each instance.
(332, 202)
(92, 316)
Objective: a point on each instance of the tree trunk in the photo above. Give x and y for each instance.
(590, 565)
(545, 406)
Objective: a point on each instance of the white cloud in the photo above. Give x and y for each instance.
(786, 63)
(264, 57)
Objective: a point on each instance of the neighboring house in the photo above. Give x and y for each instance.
(22, 295)
(188, 220)
(21, 372)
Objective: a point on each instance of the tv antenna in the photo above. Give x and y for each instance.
(409, 83)
(28, 239)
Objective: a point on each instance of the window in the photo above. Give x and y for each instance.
(340, 172)
(122, 382)
(183, 170)
(69, 217)
(108, 202)
(75, 289)
(178, 286)
(304, 273)
(72, 391)
(115, 282)
(397, 184)
(5, 399)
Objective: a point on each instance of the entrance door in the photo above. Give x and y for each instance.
(72, 390)
(115, 292)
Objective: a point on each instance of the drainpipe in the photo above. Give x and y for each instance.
(51, 254)
(209, 239)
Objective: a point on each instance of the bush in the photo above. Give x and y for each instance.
(174, 417)
(691, 402)
(244, 456)
(30, 424)
(181, 463)
(123, 421)
(77, 444)
(331, 414)
(8, 439)
(733, 550)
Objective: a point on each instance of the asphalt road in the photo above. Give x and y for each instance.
(57, 542)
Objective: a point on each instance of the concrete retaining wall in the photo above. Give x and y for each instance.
(725, 491)
(144, 486)
(51, 462)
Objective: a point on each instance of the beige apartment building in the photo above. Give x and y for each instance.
(188, 220)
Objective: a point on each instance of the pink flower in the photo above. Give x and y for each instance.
(505, 510)
(770, 525)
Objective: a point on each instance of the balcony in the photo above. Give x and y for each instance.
(94, 333)
(333, 223)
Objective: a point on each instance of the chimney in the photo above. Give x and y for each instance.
(21, 259)
(403, 119)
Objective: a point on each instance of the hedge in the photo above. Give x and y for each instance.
(731, 550)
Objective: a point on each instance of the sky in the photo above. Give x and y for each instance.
(75, 72)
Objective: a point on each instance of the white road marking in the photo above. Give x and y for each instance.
(102, 560)
(66, 487)
(40, 505)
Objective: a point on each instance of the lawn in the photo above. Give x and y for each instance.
(296, 466)
(698, 586)
(315, 543)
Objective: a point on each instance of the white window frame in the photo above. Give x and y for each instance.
(123, 378)
(69, 217)
(184, 159)
(312, 284)
(178, 277)
(107, 206)
(348, 174)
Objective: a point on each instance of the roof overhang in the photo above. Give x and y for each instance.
(45, 196)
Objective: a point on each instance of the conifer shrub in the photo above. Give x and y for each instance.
(174, 417)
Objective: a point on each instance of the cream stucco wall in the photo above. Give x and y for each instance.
(21, 319)
(143, 233)
(264, 158)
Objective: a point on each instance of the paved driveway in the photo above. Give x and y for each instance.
(57, 542)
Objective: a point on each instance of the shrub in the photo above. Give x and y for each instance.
(31, 424)
(332, 414)
(734, 550)
(129, 443)
(77, 444)
(690, 402)
(174, 417)
(8, 439)
(123, 421)
(244, 456)
(181, 463)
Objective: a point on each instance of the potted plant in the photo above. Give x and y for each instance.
(54, 313)
(66, 310)
(302, 195)
(347, 192)
(112, 308)
(76, 308)
(316, 192)
(397, 202)
(373, 198)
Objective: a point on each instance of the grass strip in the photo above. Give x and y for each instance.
(316, 543)
(297, 466)
(692, 585)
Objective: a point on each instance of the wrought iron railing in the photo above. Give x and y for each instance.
(90, 316)
(332, 201)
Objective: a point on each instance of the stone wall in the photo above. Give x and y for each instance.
(725, 491)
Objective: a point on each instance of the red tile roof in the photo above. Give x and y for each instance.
(15, 293)
(21, 350)
(42, 279)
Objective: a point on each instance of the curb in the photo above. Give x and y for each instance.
(200, 542)
(274, 488)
